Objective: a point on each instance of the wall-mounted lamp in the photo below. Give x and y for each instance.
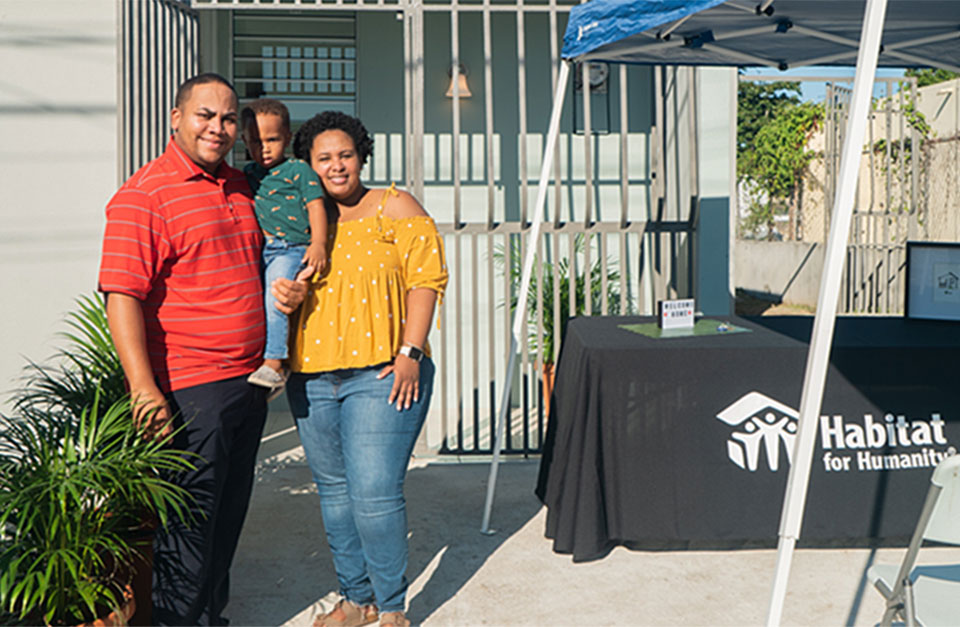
(461, 83)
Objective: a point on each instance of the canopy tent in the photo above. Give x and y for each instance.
(781, 34)
(778, 34)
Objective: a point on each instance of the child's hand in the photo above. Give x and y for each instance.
(316, 256)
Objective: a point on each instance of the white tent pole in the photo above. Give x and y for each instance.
(520, 315)
(818, 358)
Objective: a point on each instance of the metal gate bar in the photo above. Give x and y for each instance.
(652, 256)
(156, 51)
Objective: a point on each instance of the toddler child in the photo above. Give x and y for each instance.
(289, 207)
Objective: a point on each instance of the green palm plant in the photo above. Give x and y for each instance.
(77, 479)
(545, 344)
(72, 493)
(86, 367)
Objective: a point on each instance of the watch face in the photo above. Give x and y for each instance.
(412, 352)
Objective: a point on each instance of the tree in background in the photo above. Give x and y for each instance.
(773, 126)
(930, 76)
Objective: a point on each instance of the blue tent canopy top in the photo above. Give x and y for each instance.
(788, 33)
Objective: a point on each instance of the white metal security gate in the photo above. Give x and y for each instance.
(618, 231)
(156, 51)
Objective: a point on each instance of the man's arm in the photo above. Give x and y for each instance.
(150, 408)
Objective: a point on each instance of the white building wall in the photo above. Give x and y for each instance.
(58, 145)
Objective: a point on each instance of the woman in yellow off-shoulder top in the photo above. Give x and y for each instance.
(362, 374)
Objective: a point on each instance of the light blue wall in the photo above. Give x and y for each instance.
(380, 72)
(717, 152)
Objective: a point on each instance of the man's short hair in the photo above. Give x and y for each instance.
(264, 106)
(183, 92)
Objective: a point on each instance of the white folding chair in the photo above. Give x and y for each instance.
(927, 595)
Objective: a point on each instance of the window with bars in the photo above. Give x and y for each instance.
(307, 61)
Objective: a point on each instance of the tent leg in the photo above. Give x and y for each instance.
(784, 558)
(819, 353)
(520, 315)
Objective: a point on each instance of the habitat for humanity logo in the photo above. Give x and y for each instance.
(762, 421)
(892, 442)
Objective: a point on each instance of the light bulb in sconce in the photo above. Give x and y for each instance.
(461, 82)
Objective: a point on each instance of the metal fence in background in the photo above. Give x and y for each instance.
(887, 210)
(889, 207)
(587, 265)
(156, 51)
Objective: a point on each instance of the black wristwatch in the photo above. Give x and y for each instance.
(412, 352)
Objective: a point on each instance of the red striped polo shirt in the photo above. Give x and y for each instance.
(187, 245)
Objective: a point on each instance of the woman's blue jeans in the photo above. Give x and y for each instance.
(280, 259)
(358, 447)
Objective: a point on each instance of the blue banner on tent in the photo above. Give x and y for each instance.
(600, 22)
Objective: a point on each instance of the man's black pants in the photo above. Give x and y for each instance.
(222, 422)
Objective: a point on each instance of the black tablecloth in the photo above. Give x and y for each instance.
(636, 454)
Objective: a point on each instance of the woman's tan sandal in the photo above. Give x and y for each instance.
(394, 619)
(347, 614)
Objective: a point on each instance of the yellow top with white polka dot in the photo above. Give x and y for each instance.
(354, 314)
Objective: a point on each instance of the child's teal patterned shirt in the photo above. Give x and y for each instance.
(281, 195)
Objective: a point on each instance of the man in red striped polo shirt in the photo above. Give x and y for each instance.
(181, 270)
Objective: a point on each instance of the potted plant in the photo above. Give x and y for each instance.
(87, 366)
(77, 479)
(544, 345)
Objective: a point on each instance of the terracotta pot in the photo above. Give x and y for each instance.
(118, 618)
(142, 576)
(547, 376)
(138, 574)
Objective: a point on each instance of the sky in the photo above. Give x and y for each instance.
(816, 90)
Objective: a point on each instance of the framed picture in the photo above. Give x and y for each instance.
(933, 280)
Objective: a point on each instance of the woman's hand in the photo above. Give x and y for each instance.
(406, 381)
(289, 294)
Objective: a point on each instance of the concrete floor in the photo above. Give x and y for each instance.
(283, 575)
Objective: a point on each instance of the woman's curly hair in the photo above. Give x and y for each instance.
(333, 120)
